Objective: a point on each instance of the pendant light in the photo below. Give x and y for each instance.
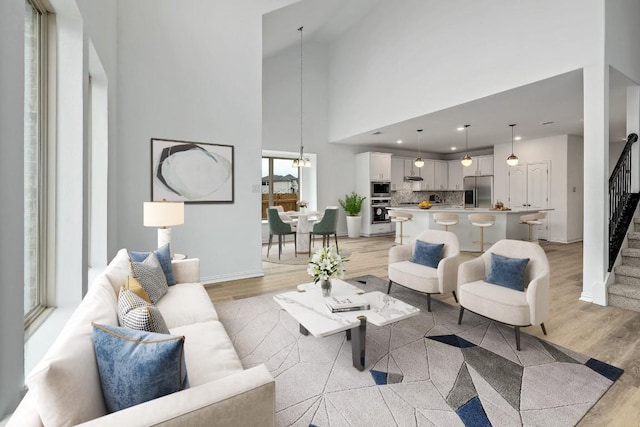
(301, 162)
(466, 160)
(419, 162)
(512, 160)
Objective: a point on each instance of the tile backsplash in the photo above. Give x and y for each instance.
(407, 195)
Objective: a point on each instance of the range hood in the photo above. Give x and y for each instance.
(412, 178)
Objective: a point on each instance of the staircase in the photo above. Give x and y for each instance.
(625, 292)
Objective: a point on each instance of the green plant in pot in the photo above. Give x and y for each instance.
(352, 205)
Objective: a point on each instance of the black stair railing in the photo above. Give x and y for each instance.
(622, 201)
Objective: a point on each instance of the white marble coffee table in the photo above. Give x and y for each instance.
(308, 307)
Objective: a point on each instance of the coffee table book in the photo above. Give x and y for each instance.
(347, 303)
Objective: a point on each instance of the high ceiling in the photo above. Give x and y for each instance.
(549, 107)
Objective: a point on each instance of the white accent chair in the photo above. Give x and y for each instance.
(425, 279)
(508, 306)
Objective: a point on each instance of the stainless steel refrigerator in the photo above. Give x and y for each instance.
(478, 191)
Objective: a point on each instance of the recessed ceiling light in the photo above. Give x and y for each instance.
(547, 123)
(460, 128)
(399, 141)
(517, 138)
(376, 133)
(453, 148)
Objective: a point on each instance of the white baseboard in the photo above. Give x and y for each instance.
(234, 276)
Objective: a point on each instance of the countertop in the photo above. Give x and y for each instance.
(435, 208)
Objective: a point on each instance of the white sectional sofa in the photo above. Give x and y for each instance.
(65, 389)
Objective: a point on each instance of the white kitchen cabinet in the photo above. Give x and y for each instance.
(482, 165)
(380, 166)
(397, 173)
(485, 165)
(455, 182)
(410, 169)
(440, 175)
(427, 172)
(529, 188)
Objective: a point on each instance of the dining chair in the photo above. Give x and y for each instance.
(326, 227)
(281, 229)
(283, 215)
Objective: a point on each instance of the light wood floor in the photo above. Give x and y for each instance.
(609, 334)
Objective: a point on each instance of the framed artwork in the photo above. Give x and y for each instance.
(191, 172)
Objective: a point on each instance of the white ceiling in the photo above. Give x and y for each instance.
(558, 100)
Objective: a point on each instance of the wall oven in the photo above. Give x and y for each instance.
(379, 212)
(380, 189)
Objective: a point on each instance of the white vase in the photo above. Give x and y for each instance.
(353, 226)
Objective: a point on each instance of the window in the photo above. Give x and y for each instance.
(34, 160)
(280, 184)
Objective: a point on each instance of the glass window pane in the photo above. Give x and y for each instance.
(32, 159)
(285, 184)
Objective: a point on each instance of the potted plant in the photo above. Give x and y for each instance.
(352, 204)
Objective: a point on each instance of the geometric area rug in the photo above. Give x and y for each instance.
(423, 371)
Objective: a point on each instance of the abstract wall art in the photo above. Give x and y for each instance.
(191, 172)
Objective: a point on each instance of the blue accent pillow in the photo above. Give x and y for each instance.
(137, 366)
(507, 272)
(164, 256)
(427, 253)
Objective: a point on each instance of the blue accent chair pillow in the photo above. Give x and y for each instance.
(137, 366)
(507, 272)
(427, 253)
(164, 256)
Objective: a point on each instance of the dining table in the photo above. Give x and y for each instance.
(304, 224)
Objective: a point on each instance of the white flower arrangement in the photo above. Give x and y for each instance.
(325, 264)
(302, 203)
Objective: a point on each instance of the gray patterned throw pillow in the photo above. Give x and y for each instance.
(136, 313)
(151, 277)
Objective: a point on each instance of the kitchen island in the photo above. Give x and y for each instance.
(507, 225)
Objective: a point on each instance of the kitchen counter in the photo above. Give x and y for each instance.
(507, 225)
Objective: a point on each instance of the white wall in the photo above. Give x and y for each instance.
(622, 35)
(412, 57)
(281, 120)
(11, 208)
(575, 188)
(563, 174)
(192, 71)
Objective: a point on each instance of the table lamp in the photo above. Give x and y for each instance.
(163, 215)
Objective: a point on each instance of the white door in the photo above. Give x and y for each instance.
(537, 175)
(538, 192)
(441, 175)
(518, 186)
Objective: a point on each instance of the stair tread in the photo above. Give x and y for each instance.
(631, 252)
(634, 235)
(627, 291)
(628, 270)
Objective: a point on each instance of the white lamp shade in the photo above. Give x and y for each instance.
(163, 214)
(419, 162)
(466, 161)
(512, 160)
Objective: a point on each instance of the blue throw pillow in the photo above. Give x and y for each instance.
(137, 366)
(427, 253)
(164, 256)
(507, 272)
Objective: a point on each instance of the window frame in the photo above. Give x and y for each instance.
(42, 159)
(271, 198)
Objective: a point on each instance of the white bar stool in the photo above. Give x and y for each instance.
(401, 218)
(532, 220)
(483, 221)
(446, 219)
